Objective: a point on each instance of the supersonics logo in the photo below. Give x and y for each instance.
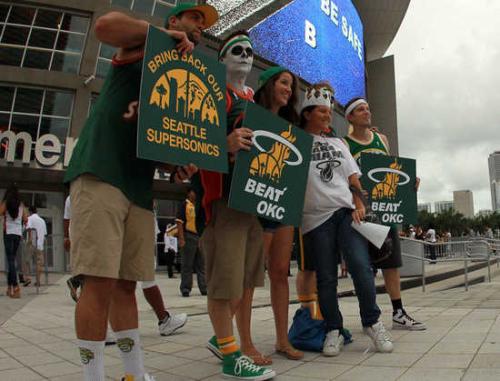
(388, 186)
(185, 93)
(190, 101)
(269, 164)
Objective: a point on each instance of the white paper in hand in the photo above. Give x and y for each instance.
(374, 233)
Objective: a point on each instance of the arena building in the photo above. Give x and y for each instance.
(52, 69)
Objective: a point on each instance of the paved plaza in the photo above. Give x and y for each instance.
(462, 341)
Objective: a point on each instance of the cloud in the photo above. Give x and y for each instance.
(446, 56)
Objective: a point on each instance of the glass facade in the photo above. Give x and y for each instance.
(104, 58)
(41, 38)
(158, 8)
(35, 110)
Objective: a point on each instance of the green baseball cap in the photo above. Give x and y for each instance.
(266, 75)
(209, 12)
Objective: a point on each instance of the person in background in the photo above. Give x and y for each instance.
(170, 249)
(74, 283)
(37, 230)
(12, 209)
(430, 236)
(192, 260)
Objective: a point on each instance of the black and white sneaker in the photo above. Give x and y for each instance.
(401, 320)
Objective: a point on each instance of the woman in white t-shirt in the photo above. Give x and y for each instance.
(14, 217)
(329, 210)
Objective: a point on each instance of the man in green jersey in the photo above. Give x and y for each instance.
(364, 138)
(112, 232)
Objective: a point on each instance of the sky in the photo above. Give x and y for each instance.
(447, 57)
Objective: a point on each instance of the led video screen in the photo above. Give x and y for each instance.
(318, 40)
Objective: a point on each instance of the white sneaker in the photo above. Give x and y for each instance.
(380, 337)
(401, 320)
(147, 377)
(171, 324)
(334, 342)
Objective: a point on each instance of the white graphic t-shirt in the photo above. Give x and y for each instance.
(328, 183)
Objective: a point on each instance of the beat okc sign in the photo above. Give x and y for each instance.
(390, 183)
(318, 40)
(270, 180)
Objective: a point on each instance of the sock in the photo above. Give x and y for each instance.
(131, 353)
(92, 358)
(311, 301)
(166, 316)
(397, 304)
(228, 346)
(155, 300)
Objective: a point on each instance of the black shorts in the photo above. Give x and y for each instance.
(269, 226)
(394, 260)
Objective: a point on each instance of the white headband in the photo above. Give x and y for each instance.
(353, 105)
(317, 97)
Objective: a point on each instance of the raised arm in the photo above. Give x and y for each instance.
(128, 33)
(121, 31)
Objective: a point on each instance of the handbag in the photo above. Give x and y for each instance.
(308, 334)
(305, 333)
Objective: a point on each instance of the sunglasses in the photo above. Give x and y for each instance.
(237, 50)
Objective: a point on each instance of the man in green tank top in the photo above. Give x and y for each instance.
(364, 138)
(112, 226)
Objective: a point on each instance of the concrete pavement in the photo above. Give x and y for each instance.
(462, 341)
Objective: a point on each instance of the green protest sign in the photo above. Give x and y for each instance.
(182, 116)
(390, 183)
(270, 180)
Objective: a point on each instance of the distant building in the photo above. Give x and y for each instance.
(494, 167)
(443, 206)
(484, 213)
(463, 202)
(425, 206)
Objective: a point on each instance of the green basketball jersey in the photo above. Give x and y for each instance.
(376, 146)
(107, 145)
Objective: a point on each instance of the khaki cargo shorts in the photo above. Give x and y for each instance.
(110, 236)
(33, 255)
(233, 247)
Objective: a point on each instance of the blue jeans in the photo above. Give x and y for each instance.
(11, 243)
(324, 245)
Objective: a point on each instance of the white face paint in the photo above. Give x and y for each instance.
(239, 58)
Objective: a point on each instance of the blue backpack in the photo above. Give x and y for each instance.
(308, 334)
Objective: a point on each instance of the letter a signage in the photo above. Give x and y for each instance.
(270, 180)
(182, 117)
(390, 183)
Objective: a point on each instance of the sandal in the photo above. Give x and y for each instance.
(259, 359)
(290, 353)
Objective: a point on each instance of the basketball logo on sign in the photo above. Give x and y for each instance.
(270, 163)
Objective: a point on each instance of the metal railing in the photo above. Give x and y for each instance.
(466, 251)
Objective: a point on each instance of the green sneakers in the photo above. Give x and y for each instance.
(239, 367)
(213, 347)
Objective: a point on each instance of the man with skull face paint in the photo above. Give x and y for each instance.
(329, 210)
(232, 241)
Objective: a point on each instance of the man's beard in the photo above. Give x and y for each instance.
(191, 36)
